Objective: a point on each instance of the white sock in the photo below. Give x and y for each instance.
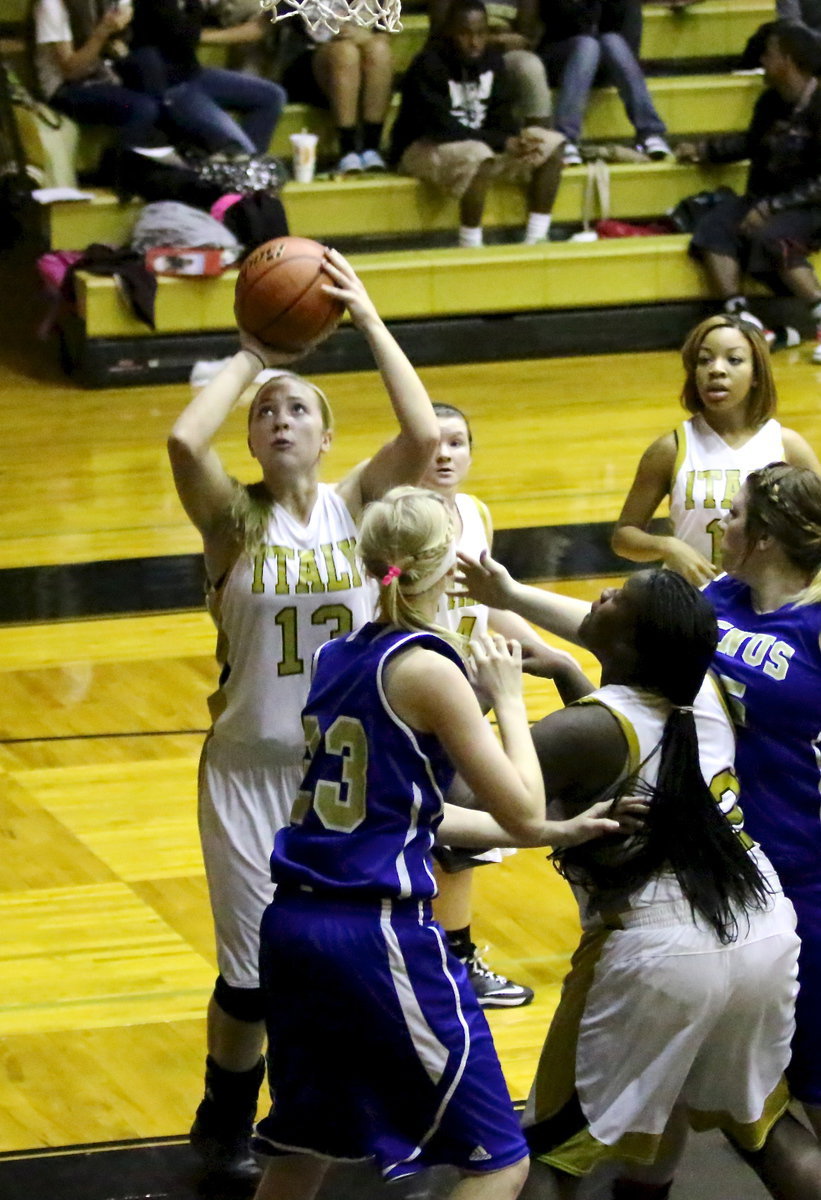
(538, 227)
(815, 313)
(470, 235)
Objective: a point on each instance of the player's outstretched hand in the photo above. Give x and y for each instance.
(346, 286)
(484, 579)
(266, 354)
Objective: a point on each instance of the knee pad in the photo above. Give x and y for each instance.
(243, 1004)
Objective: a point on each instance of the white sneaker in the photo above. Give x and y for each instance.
(570, 155)
(655, 147)
(815, 357)
(350, 164)
(785, 337)
(749, 318)
(373, 161)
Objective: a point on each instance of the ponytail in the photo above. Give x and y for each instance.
(685, 831)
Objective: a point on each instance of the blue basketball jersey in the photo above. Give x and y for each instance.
(770, 665)
(371, 797)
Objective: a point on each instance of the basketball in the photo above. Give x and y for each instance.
(279, 298)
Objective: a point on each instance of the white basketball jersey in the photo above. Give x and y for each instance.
(707, 475)
(305, 587)
(642, 716)
(460, 614)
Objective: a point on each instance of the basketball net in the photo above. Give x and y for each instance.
(325, 18)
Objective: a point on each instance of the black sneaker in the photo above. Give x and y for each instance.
(492, 990)
(228, 1156)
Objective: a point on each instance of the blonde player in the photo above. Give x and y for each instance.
(474, 535)
(730, 391)
(284, 577)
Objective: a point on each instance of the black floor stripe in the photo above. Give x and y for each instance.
(131, 586)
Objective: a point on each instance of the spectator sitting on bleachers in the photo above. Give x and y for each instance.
(352, 73)
(516, 36)
(165, 36)
(456, 129)
(770, 230)
(78, 57)
(582, 36)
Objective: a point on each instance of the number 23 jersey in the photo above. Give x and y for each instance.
(770, 666)
(371, 797)
(303, 588)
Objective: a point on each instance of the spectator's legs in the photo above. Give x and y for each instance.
(724, 273)
(377, 82)
(803, 283)
(581, 61)
(532, 104)
(629, 80)
(259, 101)
(472, 205)
(134, 114)
(545, 183)
(338, 71)
(145, 70)
(377, 78)
(197, 116)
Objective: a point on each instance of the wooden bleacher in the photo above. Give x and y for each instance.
(436, 292)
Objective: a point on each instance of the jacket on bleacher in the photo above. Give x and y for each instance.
(783, 144)
(447, 100)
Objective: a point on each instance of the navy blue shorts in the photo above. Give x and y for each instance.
(804, 1071)
(377, 1045)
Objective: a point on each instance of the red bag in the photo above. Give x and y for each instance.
(621, 229)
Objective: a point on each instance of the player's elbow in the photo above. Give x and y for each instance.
(620, 541)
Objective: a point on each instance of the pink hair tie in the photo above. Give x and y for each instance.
(391, 573)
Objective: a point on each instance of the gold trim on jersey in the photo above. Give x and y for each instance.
(627, 728)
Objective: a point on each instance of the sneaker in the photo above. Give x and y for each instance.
(655, 148)
(784, 338)
(228, 1156)
(350, 164)
(373, 161)
(744, 314)
(570, 155)
(815, 357)
(492, 990)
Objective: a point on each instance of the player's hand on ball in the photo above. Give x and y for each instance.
(267, 355)
(346, 286)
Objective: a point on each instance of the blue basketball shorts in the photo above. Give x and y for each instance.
(377, 1046)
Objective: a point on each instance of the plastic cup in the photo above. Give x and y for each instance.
(304, 156)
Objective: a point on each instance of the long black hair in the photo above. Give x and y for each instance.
(685, 831)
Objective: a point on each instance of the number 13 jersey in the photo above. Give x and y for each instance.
(304, 587)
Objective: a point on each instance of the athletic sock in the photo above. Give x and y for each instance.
(538, 227)
(470, 235)
(459, 942)
(347, 140)
(371, 135)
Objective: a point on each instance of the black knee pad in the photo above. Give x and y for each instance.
(243, 1004)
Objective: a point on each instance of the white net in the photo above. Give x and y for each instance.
(325, 18)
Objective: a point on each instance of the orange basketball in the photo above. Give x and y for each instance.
(279, 298)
